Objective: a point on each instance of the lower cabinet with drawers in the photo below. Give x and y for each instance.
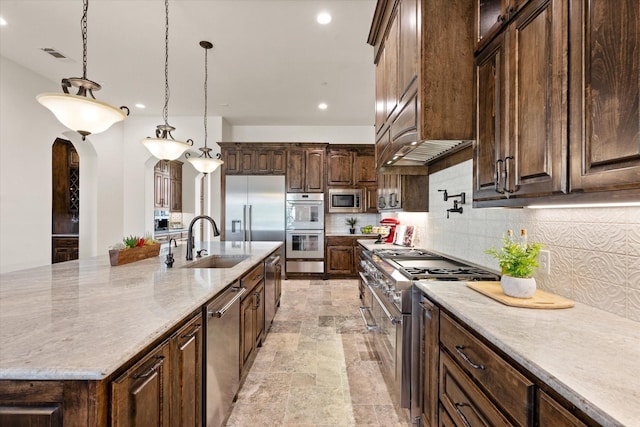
(476, 384)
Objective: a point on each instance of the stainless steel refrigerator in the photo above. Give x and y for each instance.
(254, 208)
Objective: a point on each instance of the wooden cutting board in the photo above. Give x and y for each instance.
(540, 299)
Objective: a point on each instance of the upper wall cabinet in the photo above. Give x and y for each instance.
(536, 145)
(491, 16)
(424, 73)
(306, 168)
(253, 158)
(605, 87)
(350, 165)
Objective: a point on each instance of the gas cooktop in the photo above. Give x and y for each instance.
(419, 264)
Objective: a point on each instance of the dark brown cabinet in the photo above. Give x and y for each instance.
(522, 106)
(398, 191)
(605, 96)
(64, 249)
(253, 158)
(557, 105)
(491, 16)
(550, 412)
(186, 356)
(167, 180)
(350, 165)
(419, 46)
(429, 360)
(252, 312)
(305, 169)
(341, 256)
(142, 395)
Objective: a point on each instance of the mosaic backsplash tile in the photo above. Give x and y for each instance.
(595, 252)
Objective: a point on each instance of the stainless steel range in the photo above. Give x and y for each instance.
(386, 292)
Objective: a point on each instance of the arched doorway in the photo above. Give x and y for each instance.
(65, 202)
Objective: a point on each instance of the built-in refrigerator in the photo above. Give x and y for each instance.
(254, 208)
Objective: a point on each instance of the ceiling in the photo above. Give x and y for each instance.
(272, 63)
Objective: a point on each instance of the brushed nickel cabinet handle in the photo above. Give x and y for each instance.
(459, 405)
(193, 332)
(459, 349)
(152, 369)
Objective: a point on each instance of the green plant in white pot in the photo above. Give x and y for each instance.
(518, 261)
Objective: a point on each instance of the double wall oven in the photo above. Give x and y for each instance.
(386, 291)
(305, 233)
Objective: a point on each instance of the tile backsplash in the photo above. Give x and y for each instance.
(595, 252)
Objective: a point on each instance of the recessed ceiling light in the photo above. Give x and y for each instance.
(322, 106)
(141, 106)
(3, 22)
(323, 18)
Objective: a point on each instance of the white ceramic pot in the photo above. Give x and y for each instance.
(518, 287)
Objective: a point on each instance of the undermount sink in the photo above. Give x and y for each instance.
(217, 261)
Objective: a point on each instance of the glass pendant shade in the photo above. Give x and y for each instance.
(165, 149)
(205, 164)
(80, 113)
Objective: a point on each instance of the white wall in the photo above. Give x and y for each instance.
(595, 252)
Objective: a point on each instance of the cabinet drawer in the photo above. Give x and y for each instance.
(463, 400)
(252, 278)
(501, 381)
(551, 413)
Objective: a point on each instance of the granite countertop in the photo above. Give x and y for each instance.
(83, 319)
(587, 355)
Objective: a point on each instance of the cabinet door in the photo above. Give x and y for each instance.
(605, 121)
(370, 195)
(231, 158)
(536, 156)
(408, 47)
(364, 168)
(158, 182)
(165, 190)
(391, 67)
(278, 162)
(381, 114)
(490, 125)
(176, 195)
(340, 167)
(247, 329)
(295, 171)
(314, 174)
(141, 396)
(339, 259)
(429, 351)
(186, 354)
(247, 161)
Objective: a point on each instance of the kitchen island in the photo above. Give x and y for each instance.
(83, 322)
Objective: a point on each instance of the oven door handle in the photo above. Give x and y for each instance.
(392, 319)
(370, 326)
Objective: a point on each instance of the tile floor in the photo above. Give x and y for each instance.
(317, 366)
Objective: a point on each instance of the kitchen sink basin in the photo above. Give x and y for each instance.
(217, 261)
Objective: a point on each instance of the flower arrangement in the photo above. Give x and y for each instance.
(134, 242)
(133, 248)
(517, 258)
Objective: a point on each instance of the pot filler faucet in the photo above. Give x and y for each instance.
(190, 242)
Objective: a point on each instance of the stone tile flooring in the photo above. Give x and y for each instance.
(317, 366)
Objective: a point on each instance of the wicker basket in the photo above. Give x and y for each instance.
(126, 256)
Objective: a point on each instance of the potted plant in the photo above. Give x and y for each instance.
(518, 259)
(133, 248)
(352, 221)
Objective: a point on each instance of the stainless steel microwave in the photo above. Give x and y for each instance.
(345, 200)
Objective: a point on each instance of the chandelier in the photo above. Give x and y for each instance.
(164, 146)
(79, 112)
(205, 163)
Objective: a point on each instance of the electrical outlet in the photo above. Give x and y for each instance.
(544, 259)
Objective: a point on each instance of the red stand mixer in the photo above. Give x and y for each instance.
(390, 223)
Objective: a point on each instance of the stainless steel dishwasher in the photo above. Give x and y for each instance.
(272, 288)
(222, 354)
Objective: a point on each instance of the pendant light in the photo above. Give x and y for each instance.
(79, 112)
(164, 146)
(205, 163)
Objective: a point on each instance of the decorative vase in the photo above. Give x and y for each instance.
(352, 230)
(518, 287)
(126, 256)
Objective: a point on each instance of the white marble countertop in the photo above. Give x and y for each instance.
(589, 356)
(81, 320)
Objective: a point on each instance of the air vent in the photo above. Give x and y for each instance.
(51, 51)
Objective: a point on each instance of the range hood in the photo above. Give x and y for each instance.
(423, 152)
